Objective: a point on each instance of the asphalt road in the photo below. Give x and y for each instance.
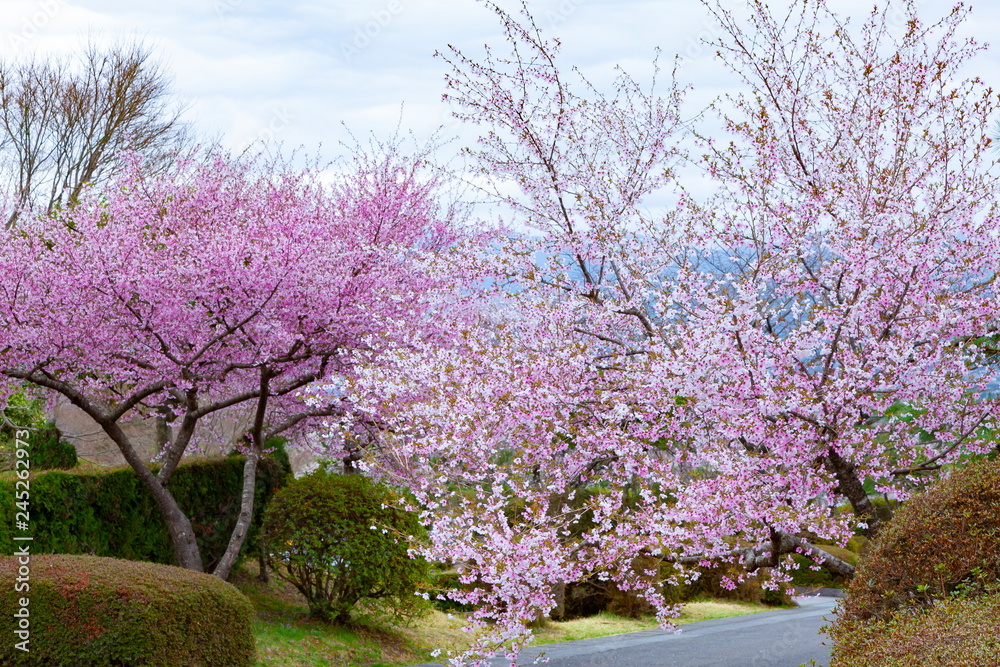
(784, 638)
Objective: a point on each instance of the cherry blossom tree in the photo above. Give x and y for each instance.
(849, 253)
(226, 283)
(706, 385)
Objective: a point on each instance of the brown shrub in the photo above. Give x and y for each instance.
(953, 633)
(928, 590)
(941, 541)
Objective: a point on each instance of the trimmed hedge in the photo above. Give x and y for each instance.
(85, 611)
(110, 513)
(926, 592)
(954, 632)
(939, 542)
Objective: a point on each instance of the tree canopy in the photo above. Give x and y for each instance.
(711, 383)
(66, 123)
(223, 283)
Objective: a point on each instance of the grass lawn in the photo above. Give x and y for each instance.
(607, 624)
(286, 637)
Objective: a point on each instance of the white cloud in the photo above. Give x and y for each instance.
(250, 66)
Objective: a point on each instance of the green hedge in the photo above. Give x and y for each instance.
(48, 451)
(110, 513)
(84, 611)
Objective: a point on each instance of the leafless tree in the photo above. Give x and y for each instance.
(65, 123)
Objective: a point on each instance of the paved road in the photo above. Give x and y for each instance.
(785, 638)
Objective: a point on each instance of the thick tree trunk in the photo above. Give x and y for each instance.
(782, 543)
(181, 532)
(788, 544)
(850, 486)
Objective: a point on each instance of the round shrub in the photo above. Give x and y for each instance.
(339, 540)
(926, 590)
(87, 611)
(939, 542)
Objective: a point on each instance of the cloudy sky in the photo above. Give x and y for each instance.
(296, 70)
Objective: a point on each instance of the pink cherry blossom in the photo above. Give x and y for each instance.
(710, 384)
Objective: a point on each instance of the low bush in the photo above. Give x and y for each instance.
(340, 540)
(85, 611)
(926, 591)
(940, 542)
(955, 632)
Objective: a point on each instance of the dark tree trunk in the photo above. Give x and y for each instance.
(558, 612)
(850, 486)
(181, 532)
(263, 575)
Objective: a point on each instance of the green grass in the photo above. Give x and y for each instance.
(603, 625)
(297, 644)
(287, 637)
